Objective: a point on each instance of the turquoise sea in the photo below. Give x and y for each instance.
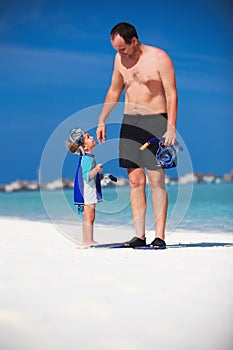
(200, 207)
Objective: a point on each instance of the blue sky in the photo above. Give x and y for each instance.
(56, 59)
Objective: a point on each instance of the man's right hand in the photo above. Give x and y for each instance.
(101, 133)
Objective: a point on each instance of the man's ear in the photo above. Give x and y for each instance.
(134, 41)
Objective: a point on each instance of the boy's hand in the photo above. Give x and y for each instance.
(99, 168)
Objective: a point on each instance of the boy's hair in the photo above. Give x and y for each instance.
(125, 30)
(72, 146)
(74, 143)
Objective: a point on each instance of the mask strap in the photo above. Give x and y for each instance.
(81, 150)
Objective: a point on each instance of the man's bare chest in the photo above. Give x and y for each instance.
(141, 73)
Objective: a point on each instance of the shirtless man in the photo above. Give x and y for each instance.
(148, 76)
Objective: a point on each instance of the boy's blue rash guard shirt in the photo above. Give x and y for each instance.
(86, 190)
(88, 163)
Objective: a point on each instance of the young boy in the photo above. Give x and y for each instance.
(87, 188)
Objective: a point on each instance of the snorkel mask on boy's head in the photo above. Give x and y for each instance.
(165, 155)
(76, 136)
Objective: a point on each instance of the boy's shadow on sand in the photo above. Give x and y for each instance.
(200, 245)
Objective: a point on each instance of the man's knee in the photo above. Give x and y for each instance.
(137, 178)
(156, 180)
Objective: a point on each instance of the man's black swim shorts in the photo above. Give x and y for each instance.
(135, 131)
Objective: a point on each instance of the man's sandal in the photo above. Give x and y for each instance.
(158, 243)
(135, 242)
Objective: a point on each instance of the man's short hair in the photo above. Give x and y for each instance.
(125, 30)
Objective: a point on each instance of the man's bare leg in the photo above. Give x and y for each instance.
(159, 200)
(137, 180)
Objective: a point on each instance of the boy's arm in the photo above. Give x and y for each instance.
(95, 171)
(88, 172)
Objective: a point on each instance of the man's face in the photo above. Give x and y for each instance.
(124, 49)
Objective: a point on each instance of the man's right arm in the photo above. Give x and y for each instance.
(111, 99)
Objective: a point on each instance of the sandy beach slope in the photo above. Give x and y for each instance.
(54, 296)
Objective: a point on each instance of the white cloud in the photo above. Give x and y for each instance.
(204, 72)
(46, 66)
(27, 66)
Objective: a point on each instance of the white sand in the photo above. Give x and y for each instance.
(54, 296)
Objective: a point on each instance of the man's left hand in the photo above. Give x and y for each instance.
(169, 137)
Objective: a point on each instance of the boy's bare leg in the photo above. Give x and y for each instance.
(137, 180)
(88, 223)
(159, 200)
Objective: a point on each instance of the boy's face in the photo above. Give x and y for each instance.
(88, 141)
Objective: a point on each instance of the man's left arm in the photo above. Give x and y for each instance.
(167, 75)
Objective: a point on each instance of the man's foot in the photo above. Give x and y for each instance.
(158, 242)
(135, 242)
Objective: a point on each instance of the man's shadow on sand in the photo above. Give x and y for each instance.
(199, 245)
(171, 245)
